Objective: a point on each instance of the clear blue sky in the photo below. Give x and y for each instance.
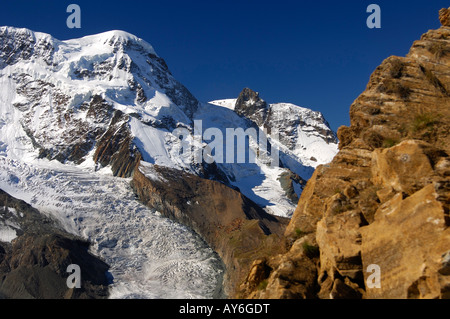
(317, 54)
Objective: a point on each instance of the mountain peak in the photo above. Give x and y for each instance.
(252, 106)
(115, 38)
(5, 30)
(250, 98)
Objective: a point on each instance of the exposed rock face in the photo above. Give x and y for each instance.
(409, 240)
(34, 264)
(385, 198)
(279, 277)
(444, 17)
(30, 47)
(115, 147)
(287, 120)
(250, 105)
(287, 181)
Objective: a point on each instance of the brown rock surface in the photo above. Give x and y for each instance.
(385, 198)
(115, 147)
(444, 17)
(408, 240)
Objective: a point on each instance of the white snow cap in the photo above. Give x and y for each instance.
(25, 31)
(113, 36)
(108, 37)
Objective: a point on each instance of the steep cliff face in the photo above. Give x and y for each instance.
(385, 198)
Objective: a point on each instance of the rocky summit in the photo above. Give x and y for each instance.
(383, 202)
(250, 105)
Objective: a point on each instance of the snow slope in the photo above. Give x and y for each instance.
(257, 181)
(227, 103)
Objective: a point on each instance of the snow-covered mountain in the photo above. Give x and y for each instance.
(67, 91)
(302, 137)
(71, 110)
(57, 100)
(303, 133)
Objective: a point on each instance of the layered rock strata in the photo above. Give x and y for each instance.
(385, 198)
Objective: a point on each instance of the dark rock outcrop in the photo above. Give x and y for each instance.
(250, 105)
(115, 147)
(29, 47)
(34, 265)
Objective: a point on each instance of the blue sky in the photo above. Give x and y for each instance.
(316, 54)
